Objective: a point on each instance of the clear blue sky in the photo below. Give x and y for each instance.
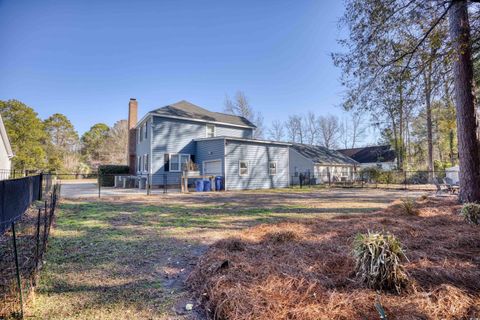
(87, 58)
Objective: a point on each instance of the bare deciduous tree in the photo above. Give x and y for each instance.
(352, 130)
(240, 106)
(294, 129)
(311, 128)
(276, 131)
(328, 131)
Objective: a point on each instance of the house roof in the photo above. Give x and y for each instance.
(4, 138)
(322, 155)
(370, 154)
(186, 110)
(245, 140)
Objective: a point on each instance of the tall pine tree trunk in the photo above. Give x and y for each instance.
(427, 76)
(464, 102)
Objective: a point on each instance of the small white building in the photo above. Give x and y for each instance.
(452, 173)
(6, 153)
(322, 164)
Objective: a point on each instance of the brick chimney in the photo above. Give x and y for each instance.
(132, 134)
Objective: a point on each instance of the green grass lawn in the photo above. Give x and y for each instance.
(128, 260)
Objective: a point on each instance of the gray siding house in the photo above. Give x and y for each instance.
(166, 139)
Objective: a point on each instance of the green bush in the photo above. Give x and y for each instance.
(107, 172)
(370, 174)
(378, 261)
(471, 213)
(408, 206)
(385, 177)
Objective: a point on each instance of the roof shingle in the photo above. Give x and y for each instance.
(370, 154)
(187, 110)
(322, 155)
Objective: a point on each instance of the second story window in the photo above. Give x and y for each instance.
(210, 130)
(146, 130)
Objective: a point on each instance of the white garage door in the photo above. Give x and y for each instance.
(212, 168)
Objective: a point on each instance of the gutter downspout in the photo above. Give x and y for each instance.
(225, 164)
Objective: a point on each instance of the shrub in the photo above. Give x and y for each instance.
(378, 261)
(471, 213)
(385, 177)
(370, 174)
(107, 172)
(408, 206)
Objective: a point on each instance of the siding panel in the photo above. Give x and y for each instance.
(258, 156)
(209, 150)
(299, 164)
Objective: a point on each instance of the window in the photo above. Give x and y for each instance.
(145, 163)
(243, 168)
(210, 130)
(146, 130)
(174, 162)
(139, 163)
(178, 162)
(272, 168)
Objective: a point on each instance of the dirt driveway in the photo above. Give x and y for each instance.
(127, 256)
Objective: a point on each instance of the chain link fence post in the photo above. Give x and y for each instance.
(17, 269)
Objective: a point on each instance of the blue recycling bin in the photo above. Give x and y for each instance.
(218, 183)
(207, 186)
(199, 185)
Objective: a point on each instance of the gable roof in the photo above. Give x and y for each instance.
(4, 138)
(371, 154)
(186, 110)
(322, 155)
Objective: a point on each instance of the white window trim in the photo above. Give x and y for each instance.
(276, 168)
(239, 168)
(179, 161)
(214, 130)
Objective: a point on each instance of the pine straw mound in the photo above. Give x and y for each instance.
(305, 270)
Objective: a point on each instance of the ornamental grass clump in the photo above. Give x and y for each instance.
(378, 261)
(471, 213)
(408, 206)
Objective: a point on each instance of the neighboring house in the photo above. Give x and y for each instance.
(323, 164)
(166, 139)
(6, 153)
(381, 157)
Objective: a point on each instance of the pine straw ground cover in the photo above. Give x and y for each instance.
(305, 269)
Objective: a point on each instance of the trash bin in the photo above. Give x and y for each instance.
(207, 186)
(218, 183)
(199, 185)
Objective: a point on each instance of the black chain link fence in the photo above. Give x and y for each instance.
(417, 180)
(28, 209)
